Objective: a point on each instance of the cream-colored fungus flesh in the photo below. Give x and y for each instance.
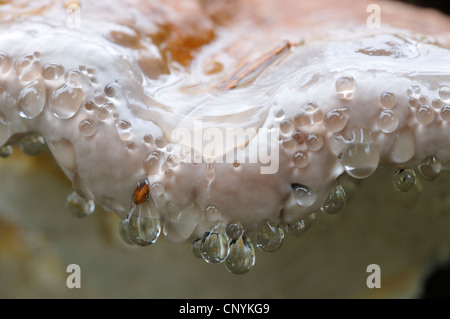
(107, 84)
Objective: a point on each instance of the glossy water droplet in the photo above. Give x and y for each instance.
(160, 142)
(335, 120)
(52, 71)
(437, 103)
(445, 113)
(212, 214)
(144, 226)
(157, 189)
(344, 87)
(300, 159)
(303, 195)
(87, 128)
(31, 100)
(5, 63)
(286, 126)
(123, 231)
(430, 168)
(234, 230)
(76, 79)
(444, 93)
(413, 102)
(360, 160)
(413, 90)
(404, 179)
(269, 237)
(152, 163)
(298, 137)
(32, 144)
(80, 186)
(148, 138)
(78, 205)
(173, 160)
(99, 98)
(6, 151)
(66, 101)
(387, 121)
(214, 246)
(112, 89)
(424, 114)
(181, 221)
(388, 99)
(404, 146)
(28, 67)
(241, 257)
(335, 201)
(301, 226)
(196, 248)
(279, 113)
(105, 111)
(125, 129)
(288, 143)
(314, 142)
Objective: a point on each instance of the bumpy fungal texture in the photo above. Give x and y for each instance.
(108, 84)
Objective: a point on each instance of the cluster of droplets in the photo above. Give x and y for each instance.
(427, 109)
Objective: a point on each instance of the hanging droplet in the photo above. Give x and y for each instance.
(404, 146)
(344, 87)
(404, 179)
(301, 226)
(269, 237)
(79, 206)
(181, 221)
(335, 201)
(144, 226)
(6, 151)
(214, 246)
(430, 168)
(123, 231)
(241, 257)
(360, 160)
(303, 195)
(234, 230)
(196, 248)
(32, 144)
(31, 100)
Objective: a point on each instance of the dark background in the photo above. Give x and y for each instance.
(438, 283)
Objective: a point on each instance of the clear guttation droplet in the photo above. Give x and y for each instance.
(301, 226)
(413, 90)
(212, 214)
(152, 163)
(404, 146)
(241, 257)
(388, 99)
(425, 114)
(157, 189)
(360, 160)
(335, 201)
(335, 120)
(430, 168)
(181, 221)
(144, 226)
(87, 127)
(28, 67)
(314, 142)
(445, 113)
(437, 103)
(286, 126)
(444, 93)
(32, 144)
(303, 195)
(6, 151)
(123, 231)
(160, 142)
(66, 101)
(31, 100)
(234, 230)
(387, 121)
(196, 248)
(269, 237)
(214, 246)
(125, 129)
(52, 71)
(345, 87)
(404, 179)
(300, 159)
(79, 206)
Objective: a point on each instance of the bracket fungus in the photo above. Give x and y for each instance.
(227, 124)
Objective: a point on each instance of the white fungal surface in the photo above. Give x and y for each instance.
(321, 108)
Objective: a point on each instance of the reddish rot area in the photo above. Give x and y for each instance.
(141, 192)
